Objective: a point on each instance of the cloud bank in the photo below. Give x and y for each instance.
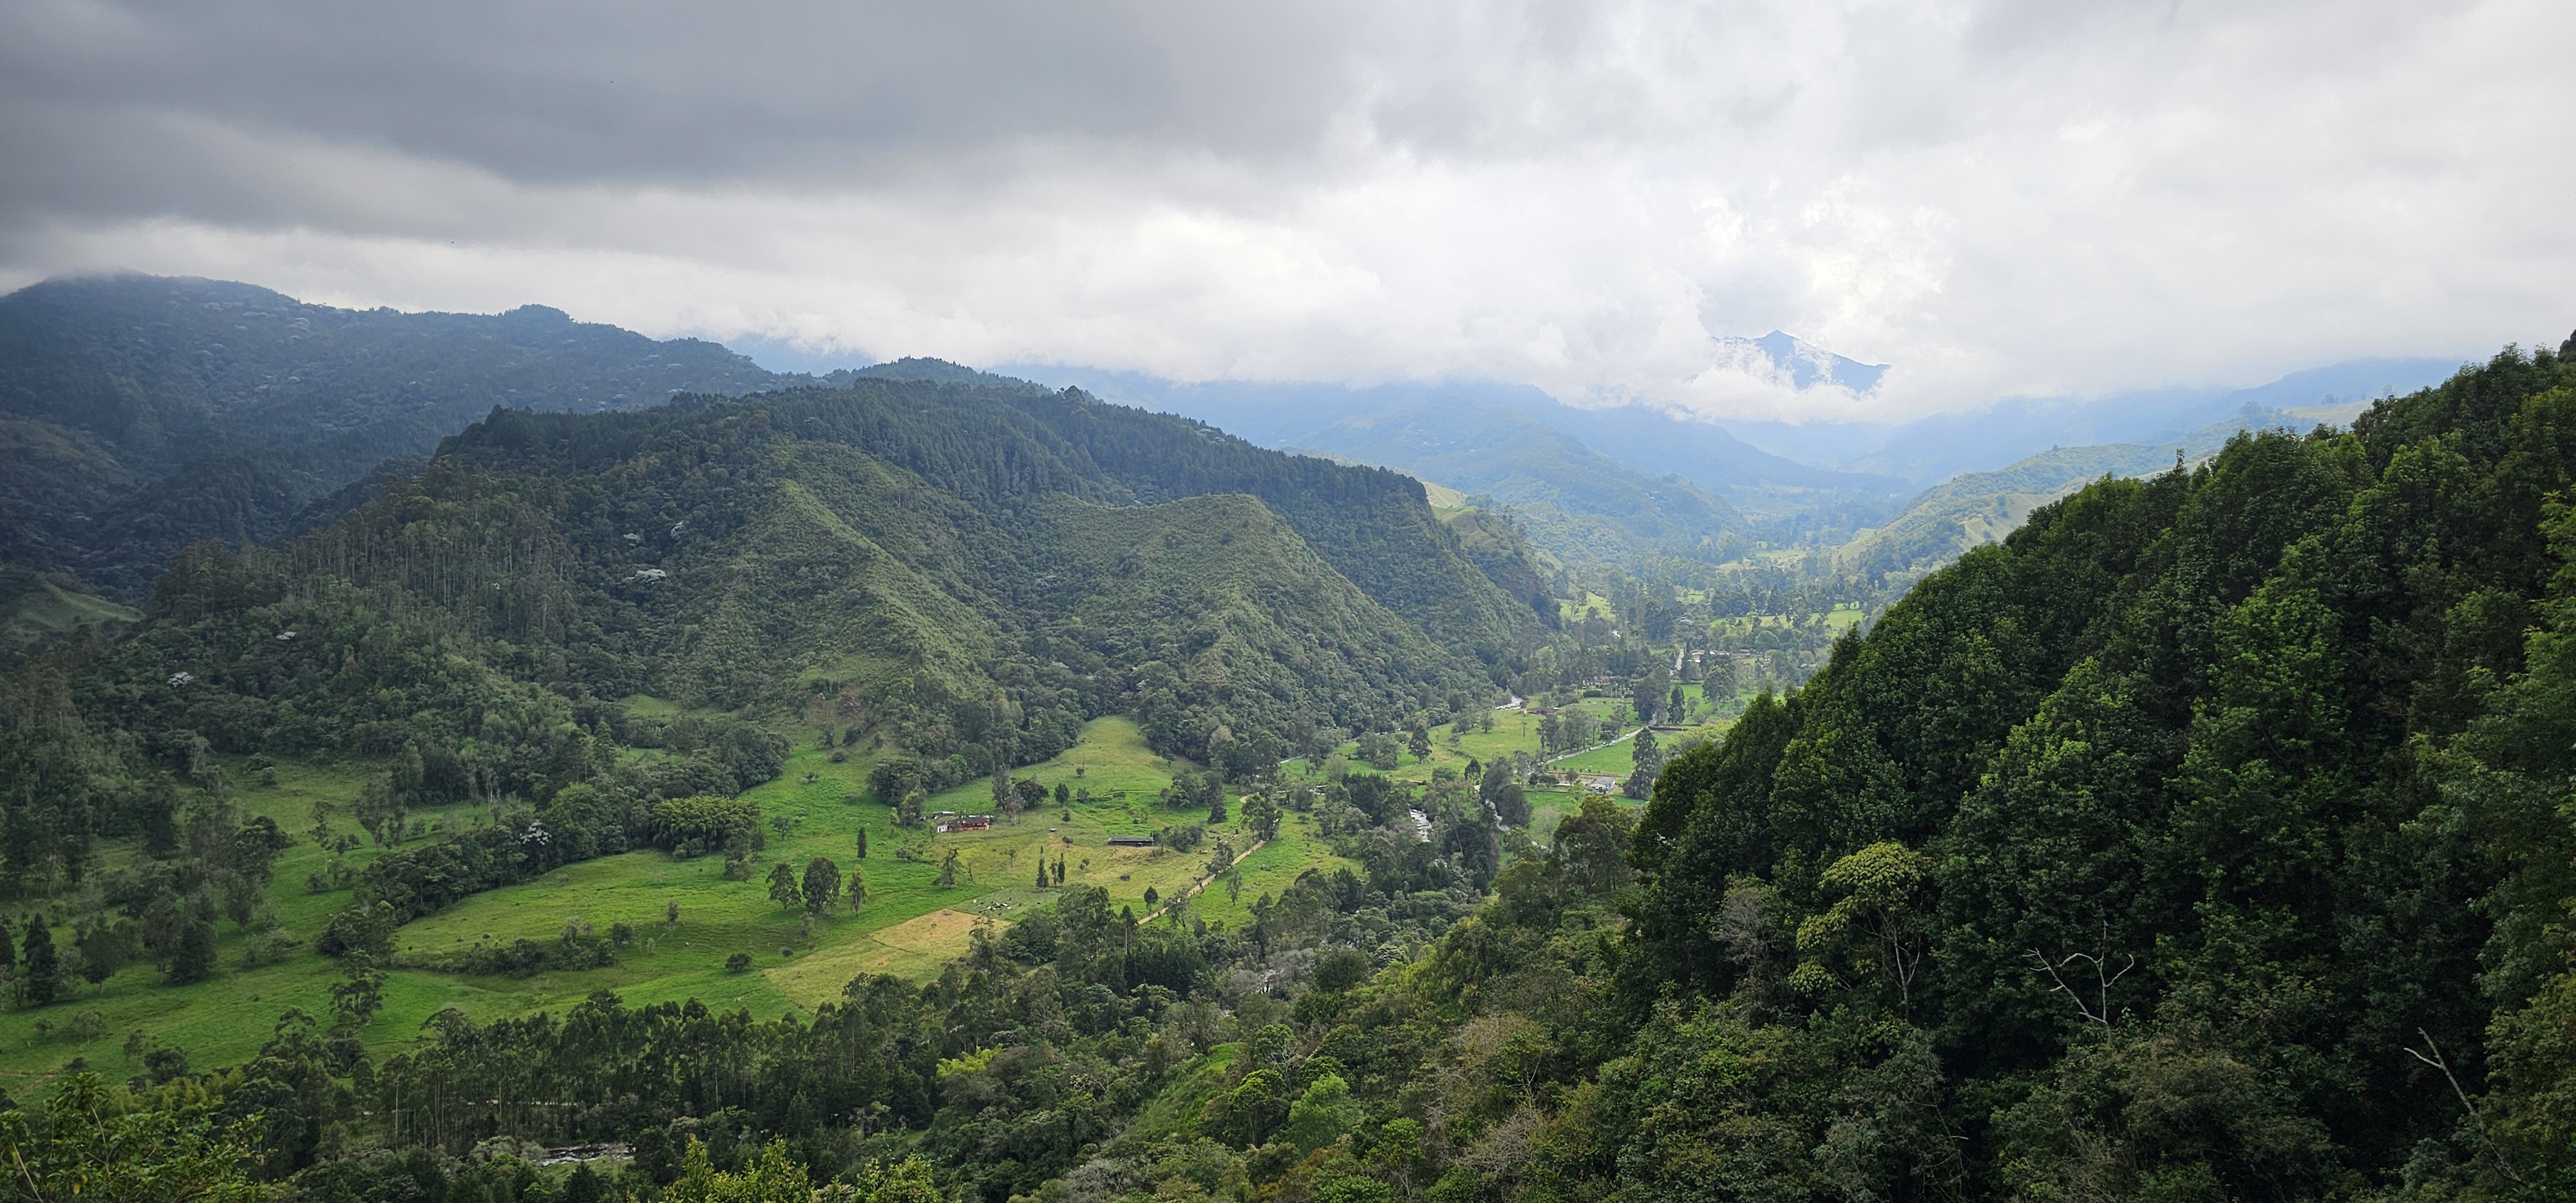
(2000, 199)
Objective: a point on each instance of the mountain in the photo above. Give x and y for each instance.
(1802, 365)
(1976, 508)
(140, 413)
(1931, 449)
(903, 551)
(1601, 480)
(1578, 504)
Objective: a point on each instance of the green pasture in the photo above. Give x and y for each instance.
(909, 926)
(1617, 759)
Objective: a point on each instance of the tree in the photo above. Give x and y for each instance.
(822, 884)
(782, 886)
(43, 972)
(375, 808)
(1647, 696)
(194, 959)
(1421, 742)
(908, 812)
(87, 1146)
(1063, 794)
(858, 890)
(103, 951)
(1042, 873)
(948, 870)
(1261, 815)
(356, 1000)
(1875, 926)
(1649, 761)
(771, 1177)
(1591, 846)
(863, 843)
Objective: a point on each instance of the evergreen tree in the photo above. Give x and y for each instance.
(43, 975)
(194, 959)
(782, 886)
(863, 843)
(1649, 761)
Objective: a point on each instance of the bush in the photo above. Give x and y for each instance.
(739, 962)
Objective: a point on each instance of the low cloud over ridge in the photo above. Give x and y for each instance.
(1998, 199)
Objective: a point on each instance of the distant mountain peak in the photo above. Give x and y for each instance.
(1804, 364)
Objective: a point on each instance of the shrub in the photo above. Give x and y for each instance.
(739, 962)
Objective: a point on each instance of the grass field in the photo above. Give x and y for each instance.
(1618, 760)
(910, 926)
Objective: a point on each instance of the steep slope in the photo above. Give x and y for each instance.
(2201, 794)
(891, 541)
(138, 413)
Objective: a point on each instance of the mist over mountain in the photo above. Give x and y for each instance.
(1931, 449)
(1802, 364)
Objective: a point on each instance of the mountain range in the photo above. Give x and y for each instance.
(140, 413)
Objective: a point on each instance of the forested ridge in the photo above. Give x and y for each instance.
(141, 413)
(2207, 838)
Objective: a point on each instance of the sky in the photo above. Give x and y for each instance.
(2029, 198)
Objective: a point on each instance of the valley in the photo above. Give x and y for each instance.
(951, 787)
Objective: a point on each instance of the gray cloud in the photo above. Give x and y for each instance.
(2007, 198)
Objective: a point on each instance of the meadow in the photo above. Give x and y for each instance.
(909, 926)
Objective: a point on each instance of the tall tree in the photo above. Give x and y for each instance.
(822, 884)
(42, 975)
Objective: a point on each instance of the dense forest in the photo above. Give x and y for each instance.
(2207, 838)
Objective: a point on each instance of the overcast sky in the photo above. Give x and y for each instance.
(2050, 197)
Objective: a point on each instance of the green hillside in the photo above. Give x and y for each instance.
(139, 413)
(37, 608)
(1977, 508)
